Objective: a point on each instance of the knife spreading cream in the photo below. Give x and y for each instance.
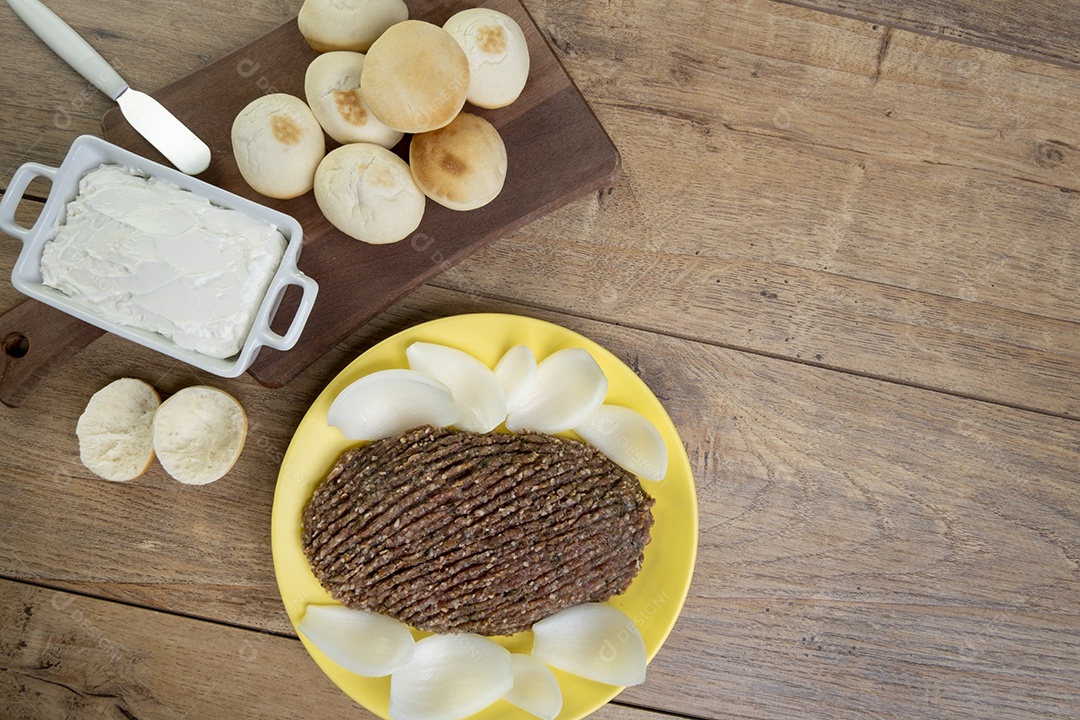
(148, 254)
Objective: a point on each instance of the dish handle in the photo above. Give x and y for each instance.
(9, 202)
(310, 289)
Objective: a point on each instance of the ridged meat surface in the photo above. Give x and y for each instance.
(487, 533)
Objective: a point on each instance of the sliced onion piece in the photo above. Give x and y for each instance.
(569, 386)
(594, 641)
(479, 397)
(628, 438)
(389, 402)
(450, 677)
(364, 643)
(516, 373)
(536, 691)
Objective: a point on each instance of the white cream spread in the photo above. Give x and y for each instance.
(148, 254)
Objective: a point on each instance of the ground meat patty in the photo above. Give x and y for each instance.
(463, 532)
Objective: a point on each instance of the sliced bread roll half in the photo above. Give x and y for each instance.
(415, 77)
(199, 433)
(461, 166)
(348, 24)
(498, 55)
(277, 144)
(332, 88)
(368, 193)
(115, 430)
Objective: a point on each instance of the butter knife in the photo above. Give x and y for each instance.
(170, 136)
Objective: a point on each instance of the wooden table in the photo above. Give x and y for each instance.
(843, 251)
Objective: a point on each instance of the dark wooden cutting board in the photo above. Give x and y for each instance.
(556, 149)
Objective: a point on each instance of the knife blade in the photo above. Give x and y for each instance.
(149, 117)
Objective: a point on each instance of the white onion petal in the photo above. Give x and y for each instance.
(628, 438)
(569, 386)
(390, 402)
(516, 373)
(479, 397)
(595, 641)
(361, 642)
(536, 691)
(450, 677)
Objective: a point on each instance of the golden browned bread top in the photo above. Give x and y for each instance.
(415, 77)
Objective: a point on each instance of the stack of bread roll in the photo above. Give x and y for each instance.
(379, 77)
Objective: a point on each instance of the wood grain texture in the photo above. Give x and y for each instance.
(920, 233)
(1042, 29)
(789, 190)
(843, 258)
(46, 104)
(855, 660)
(908, 524)
(73, 656)
(22, 331)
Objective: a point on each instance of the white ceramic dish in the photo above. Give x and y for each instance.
(87, 153)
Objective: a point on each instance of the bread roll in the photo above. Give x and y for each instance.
(348, 24)
(115, 430)
(332, 87)
(415, 77)
(199, 433)
(278, 144)
(461, 166)
(498, 55)
(368, 193)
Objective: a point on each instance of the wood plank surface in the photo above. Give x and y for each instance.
(46, 104)
(923, 238)
(24, 331)
(1048, 30)
(837, 511)
(76, 656)
(843, 257)
(791, 190)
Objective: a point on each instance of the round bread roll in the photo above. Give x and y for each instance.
(278, 144)
(461, 166)
(199, 433)
(368, 193)
(498, 55)
(348, 24)
(415, 77)
(115, 430)
(332, 87)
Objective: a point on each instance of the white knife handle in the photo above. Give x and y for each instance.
(67, 43)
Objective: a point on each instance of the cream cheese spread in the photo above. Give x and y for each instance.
(148, 254)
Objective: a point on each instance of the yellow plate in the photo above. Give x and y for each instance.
(653, 600)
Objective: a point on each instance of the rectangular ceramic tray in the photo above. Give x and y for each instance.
(87, 153)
